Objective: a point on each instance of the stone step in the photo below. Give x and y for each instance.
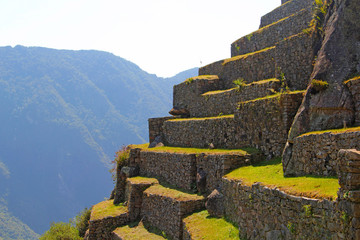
(220, 102)
(105, 217)
(164, 208)
(262, 123)
(251, 67)
(271, 34)
(286, 9)
(201, 226)
(138, 232)
(134, 189)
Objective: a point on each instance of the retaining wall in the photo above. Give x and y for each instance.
(252, 67)
(155, 127)
(294, 58)
(270, 35)
(316, 153)
(102, 228)
(286, 9)
(223, 102)
(354, 87)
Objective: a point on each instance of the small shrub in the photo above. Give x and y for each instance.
(239, 83)
(82, 221)
(345, 218)
(189, 80)
(319, 85)
(120, 158)
(291, 227)
(62, 231)
(249, 36)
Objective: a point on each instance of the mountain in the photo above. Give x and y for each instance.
(63, 114)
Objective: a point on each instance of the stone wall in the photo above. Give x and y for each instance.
(286, 9)
(316, 153)
(166, 213)
(268, 36)
(354, 87)
(265, 213)
(175, 168)
(261, 123)
(155, 127)
(221, 102)
(294, 58)
(251, 67)
(102, 228)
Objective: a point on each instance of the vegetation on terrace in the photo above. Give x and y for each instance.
(335, 131)
(201, 226)
(142, 180)
(172, 193)
(277, 95)
(200, 119)
(243, 151)
(270, 174)
(107, 209)
(244, 56)
(138, 232)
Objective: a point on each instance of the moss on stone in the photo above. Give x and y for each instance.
(201, 226)
(106, 209)
(172, 193)
(270, 173)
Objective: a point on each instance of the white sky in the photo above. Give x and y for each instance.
(163, 37)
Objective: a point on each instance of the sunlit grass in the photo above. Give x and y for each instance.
(243, 151)
(137, 233)
(271, 174)
(201, 226)
(172, 193)
(198, 119)
(107, 209)
(341, 130)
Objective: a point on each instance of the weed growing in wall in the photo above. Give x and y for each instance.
(189, 80)
(120, 158)
(319, 85)
(291, 227)
(239, 83)
(308, 210)
(320, 10)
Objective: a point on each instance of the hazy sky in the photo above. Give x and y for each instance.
(163, 37)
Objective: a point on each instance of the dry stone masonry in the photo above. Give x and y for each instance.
(262, 100)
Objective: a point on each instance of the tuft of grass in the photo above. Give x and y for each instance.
(106, 209)
(319, 85)
(172, 193)
(201, 226)
(270, 173)
(239, 83)
(243, 151)
(340, 130)
(137, 233)
(352, 79)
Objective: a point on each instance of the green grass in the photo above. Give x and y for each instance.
(136, 233)
(271, 174)
(204, 77)
(142, 180)
(200, 119)
(277, 95)
(201, 226)
(172, 193)
(106, 209)
(244, 56)
(340, 130)
(243, 151)
(352, 79)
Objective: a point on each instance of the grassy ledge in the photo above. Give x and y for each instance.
(106, 209)
(277, 95)
(201, 226)
(244, 56)
(270, 174)
(172, 193)
(243, 151)
(136, 233)
(200, 119)
(246, 85)
(143, 180)
(341, 130)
